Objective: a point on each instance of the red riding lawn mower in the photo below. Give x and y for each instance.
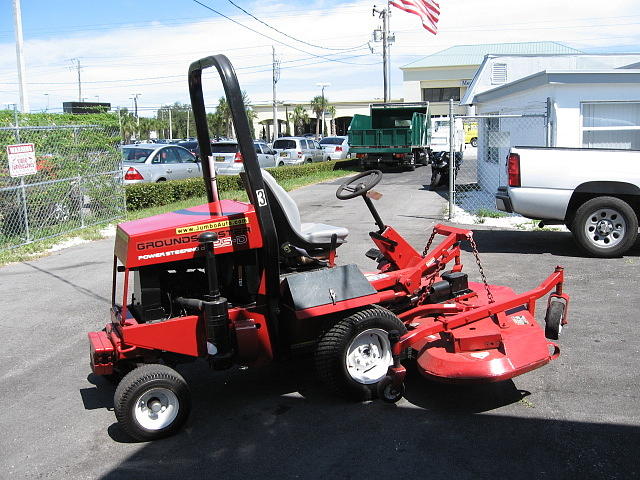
(247, 283)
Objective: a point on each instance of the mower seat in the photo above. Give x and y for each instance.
(310, 236)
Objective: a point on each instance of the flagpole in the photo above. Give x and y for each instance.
(388, 17)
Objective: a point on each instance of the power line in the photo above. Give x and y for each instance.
(286, 34)
(264, 34)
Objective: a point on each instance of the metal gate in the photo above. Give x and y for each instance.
(483, 167)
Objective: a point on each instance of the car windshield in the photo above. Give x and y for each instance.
(331, 141)
(284, 144)
(135, 155)
(224, 148)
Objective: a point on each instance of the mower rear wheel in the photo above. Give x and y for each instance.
(152, 402)
(355, 354)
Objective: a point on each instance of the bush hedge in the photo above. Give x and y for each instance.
(146, 195)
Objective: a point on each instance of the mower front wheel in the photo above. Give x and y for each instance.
(389, 392)
(152, 402)
(355, 354)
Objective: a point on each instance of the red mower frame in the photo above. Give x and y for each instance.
(219, 282)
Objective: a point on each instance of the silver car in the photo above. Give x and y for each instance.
(297, 150)
(152, 162)
(336, 148)
(229, 161)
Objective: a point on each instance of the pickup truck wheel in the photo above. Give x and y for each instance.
(605, 226)
(474, 142)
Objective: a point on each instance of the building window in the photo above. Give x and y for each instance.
(498, 73)
(440, 94)
(611, 125)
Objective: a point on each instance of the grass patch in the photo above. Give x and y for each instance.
(489, 213)
(41, 248)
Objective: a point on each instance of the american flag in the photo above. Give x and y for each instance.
(427, 10)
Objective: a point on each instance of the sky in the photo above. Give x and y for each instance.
(128, 47)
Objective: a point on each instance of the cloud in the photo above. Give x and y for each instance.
(152, 59)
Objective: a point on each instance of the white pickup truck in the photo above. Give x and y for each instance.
(594, 192)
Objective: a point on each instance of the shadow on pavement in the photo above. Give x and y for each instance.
(278, 423)
(530, 242)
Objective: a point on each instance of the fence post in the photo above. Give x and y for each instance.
(25, 214)
(452, 161)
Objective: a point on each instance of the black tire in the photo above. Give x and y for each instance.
(474, 142)
(150, 380)
(411, 166)
(281, 164)
(599, 214)
(436, 179)
(161, 180)
(553, 320)
(389, 392)
(332, 361)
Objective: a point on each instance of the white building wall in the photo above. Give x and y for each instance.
(566, 122)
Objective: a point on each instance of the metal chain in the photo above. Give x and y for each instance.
(432, 280)
(474, 249)
(428, 245)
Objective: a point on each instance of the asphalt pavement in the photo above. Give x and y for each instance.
(578, 417)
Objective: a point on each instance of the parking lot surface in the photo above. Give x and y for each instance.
(578, 417)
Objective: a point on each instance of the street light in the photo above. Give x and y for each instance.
(47, 95)
(323, 85)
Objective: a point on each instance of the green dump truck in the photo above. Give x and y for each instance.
(394, 135)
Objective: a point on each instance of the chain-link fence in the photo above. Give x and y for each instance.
(483, 168)
(78, 182)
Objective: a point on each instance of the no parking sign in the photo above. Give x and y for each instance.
(22, 159)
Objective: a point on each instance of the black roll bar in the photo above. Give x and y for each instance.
(253, 181)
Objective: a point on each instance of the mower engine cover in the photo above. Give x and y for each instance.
(174, 236)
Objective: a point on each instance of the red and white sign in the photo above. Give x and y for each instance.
(22, 159)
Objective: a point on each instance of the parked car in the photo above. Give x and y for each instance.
(228, 159)
(297, 150)
(191, 145)
(595, 192)
(153, 162)
(335, 148)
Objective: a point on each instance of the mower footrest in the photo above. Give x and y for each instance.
(102, 353)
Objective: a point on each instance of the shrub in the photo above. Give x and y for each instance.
(145, 195)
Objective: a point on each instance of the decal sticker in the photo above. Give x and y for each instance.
(236, 236)
(262, 198)
(479, 355)
(169, 253)
(519, 320)
(212, 226)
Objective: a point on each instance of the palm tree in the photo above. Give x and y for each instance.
(299, 117)
(318, 105)
(331, 111)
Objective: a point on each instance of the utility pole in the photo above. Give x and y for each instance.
(22, 79)
(387, 39)
(170, 126)
(135, 103)
(78, 67)
(276, 77)
(323, 85)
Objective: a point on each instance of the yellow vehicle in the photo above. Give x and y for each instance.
(471, 133)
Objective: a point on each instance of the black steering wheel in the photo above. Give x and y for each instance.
(358, 184)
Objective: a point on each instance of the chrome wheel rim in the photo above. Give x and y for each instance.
(605, 228)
